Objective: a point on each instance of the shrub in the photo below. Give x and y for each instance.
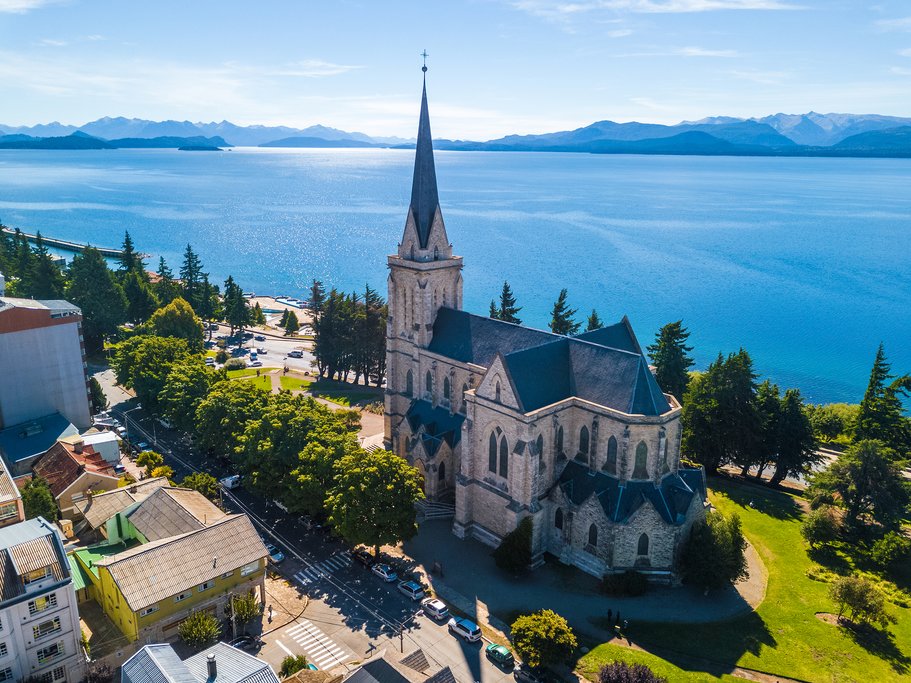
(199, 629)
(820, 499)
(621, 672)
(291, 665)
(99, 672)
(543, 638)
(821, 526)
(221, 356)
(713, 557)
(629, 584)
(514, 552)
(38, 501)
(235, 364)
(244, 607)
(860, 599)
(890, 550)
(150, 460)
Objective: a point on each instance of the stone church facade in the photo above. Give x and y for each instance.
(508, 422)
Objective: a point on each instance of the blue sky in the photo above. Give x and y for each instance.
(497, 66)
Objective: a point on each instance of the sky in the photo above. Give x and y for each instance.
(496, 66)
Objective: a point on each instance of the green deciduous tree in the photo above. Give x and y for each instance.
(562, 316)
(186, 386)
(96, 395)
(199, 629)
(203, 482)
(880, 416)
(891, 550)
(150, 460)
(821, 526)
(670, 356)
(291, 665)
(514, 552)
(594, 323)
(860, 600)
(244, 607)
(223, 415)
(713, 556)
(543, 639)
(144, 362)
(93, 289)
(38, 501)
(178, 320)
(373, 497)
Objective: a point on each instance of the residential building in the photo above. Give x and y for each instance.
(46, 372)
(106, 443)
(74, 471)
(21, 445)
(387, 666)
(100, 511)
(168, 555)
(39, 623)
(220, 663)
(508, 422)
(11, 510)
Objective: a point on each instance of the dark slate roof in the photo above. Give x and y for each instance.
(377, 671)
(439, 425)
(569, 367)
(671, 498)
(617, 336)
(424, 196)
(477, 339)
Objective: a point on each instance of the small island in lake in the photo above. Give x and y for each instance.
(199, 148)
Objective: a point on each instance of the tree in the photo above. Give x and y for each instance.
(284, 318)
(317, 298)
(507, 310)
(38, 500)
(594, 323)
(223, 415)
(713, 556)
(186, 386)
(244, 607)
(543, 639)
(191, 277)
(165, 471)
(880, 415)
(203, 482)
(199, 629)
(257, 315)
(96, 395)
(166, 288)
(237, 312)
(621, 672)
(796, 442)
(291, 665)
(821, 526)
(494, 313)
(99, 672)
(130, 261)
(209, 307)
(291, 324)
(861, 600)
(178, 320)
(150, 460)
(514, 552)
(144, 362)
(46, 280)
(92, 288)
(768, 408)
(141, 300)
(670, 356)
(562, 321)
(868, 484)
(373, 497)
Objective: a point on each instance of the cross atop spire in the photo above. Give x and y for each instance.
(425, 199)
(425, 56)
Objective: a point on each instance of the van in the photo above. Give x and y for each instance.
(231, 482)
(295, 354)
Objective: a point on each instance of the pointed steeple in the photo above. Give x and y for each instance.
(425, 200)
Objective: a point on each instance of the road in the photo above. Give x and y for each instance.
(277, 348)
(351, 612)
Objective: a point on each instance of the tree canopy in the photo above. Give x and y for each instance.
(563, 317)
(594, 322)
(93, 289)
(713, 556)
(670, 356)
(880, 416)
(507, 311)
(223, 415)
(38, 501)
(178, 320)
(144, 362)
(543, 638)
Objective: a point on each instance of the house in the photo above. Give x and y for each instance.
(105, 443)
(22, 444)
(11, 510)
(39, 622)
(386, 666)
(74, 471)
(220, 663)
(99, 511)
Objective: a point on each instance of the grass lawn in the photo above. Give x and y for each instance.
(263, 382)
(246, 372)
(345, 394)
(295, 383)
(783, 636)
(606, 653)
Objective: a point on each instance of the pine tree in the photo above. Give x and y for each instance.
(562, 321)
(317, 298)
(881, 408)
(166, 289)
(594, 322)
(129, 259)
(508, 311)
(768, 406)
(796, 441)
(237, 312)
(284, 319)
(46, 281)
(670, 355)
(23, 264)
(292, 325)
(93, 289)
(141, 300)
(494, 311)
(259, 318)
(191, 276)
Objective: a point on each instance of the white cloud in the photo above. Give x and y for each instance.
(683, 52)
(905, 53)
(762, 77)
(313, 68)
(22, 6)
(900, 71)
(557, 10)
(900, 24)
(619, 33)
(50, 42)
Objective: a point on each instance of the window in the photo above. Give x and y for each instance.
(249, 568)
(462, 408)
(497, 392)
(593, 535)
(409, 383)
(492, 453)
(442, 473)
(183, 596)
(643, 545)
(428, 384)
(583, 442)
(3, 652)
(6, 674)
(148, 610)
(504, 457)
(8, 511)
(206, 586)
(611, 463)
(539, 447)
(558, 519)
(559, 441)
(446, 391)
(227, 575)
(50, 652)
(45, 628)
(36, 575)
(640, 471)
(58, 674)
(43, 603)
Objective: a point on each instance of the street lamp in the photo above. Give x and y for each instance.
(126, 417)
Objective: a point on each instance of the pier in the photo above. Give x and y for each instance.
(66, 245)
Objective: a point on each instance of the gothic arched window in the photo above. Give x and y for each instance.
(640, 471)
(558, 519)
(643, 545)
(436, 253)
(593, 535)
(559, 443)
(428, 384)
(497, 392)
(409, 383)
(442, 473)
(446, 388)
(492, 453)
(583, 442)
(611, 464)
(504, 457)
(539, 447)
(464, 391)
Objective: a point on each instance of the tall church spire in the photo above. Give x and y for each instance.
(425, 200)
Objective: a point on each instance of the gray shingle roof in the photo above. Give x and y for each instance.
(439, 426)
(233, 666)
(155, 664)
(424, 195)
(101, 507)
(476, 339)
(168, 512)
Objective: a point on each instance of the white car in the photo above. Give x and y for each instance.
(385, 572)
(465, 629)
(435, 608)
(412, 589)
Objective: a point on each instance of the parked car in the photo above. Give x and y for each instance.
(465, 629)
(259, 337)
(231, 482)
(295, 353)
(142, 446)
(362, 556)
(385, 572)
(119, 469)
(276, 556)
(247, 643)
(525, 674)
(500, 655)
(261, 351)
(435, 608)
(256, 364)
(412, 590)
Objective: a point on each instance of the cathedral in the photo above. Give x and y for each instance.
(507, 422)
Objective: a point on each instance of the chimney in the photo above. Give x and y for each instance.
(77, 446)
(211, 666)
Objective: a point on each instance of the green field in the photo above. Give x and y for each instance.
(295, 383)
(263, 382)
(783, 636)
(247, 372)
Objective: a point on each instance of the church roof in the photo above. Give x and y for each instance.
(671, 498)
(477, 339)
(439, 425)
(618, 336)
(424, 195)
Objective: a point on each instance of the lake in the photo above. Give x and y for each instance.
(806, 263)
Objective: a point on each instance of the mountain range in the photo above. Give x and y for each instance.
(810, 134)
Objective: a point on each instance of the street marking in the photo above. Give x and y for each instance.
(324, 569)
(282, 646)
(319, 648)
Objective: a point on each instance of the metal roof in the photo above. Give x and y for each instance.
(232, 665)
(99, 508)
(8, 489)
(155, 664)
(168, 512)
(34, 437)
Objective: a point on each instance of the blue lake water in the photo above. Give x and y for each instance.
(806, 263)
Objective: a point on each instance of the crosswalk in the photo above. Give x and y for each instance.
(321, 570)
(319, 648)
